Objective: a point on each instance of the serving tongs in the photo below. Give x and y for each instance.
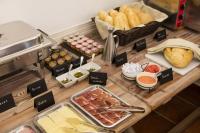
(75, 121)
(120, 107)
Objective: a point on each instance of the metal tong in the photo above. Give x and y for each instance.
(122, 107)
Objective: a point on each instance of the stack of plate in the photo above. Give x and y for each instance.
(131, 70)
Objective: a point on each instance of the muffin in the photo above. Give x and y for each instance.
(90, 41)
(52, 64)
(73, 44)
(63, 53)
(68, 58)
(55, 56)
(60, 61)
(48, 59)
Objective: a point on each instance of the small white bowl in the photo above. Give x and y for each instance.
(90, 65)
(151, 63)
(85, 74)
(149, 75)
(68, 76)
(129, 75)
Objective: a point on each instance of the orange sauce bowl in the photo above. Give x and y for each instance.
(152, 68)
(147, 79)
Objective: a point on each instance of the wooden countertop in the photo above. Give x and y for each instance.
(122, 88)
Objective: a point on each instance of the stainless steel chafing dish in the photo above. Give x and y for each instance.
(22, 47)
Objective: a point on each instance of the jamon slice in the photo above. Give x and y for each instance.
(82, 101)
(89, 107)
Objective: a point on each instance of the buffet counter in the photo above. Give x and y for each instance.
(122, 88)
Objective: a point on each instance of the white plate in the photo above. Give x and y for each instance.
(145, 88)
(128, 78)
(160, 59)
(68, 76)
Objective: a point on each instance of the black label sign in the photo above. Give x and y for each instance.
(140, 45)
(120, 59)
(98, 78)
(60, 69)
(37, 87)
(161, 35)
(6, 102)
(76, 63)
(44, 101)
(166, 76)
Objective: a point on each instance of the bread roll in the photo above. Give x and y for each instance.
(121, 22)
(133, 18)
(145, 17)
(123, 8)
(136, 9)
(102, 15)
(109, 20)
(113, 13)
(178, 57)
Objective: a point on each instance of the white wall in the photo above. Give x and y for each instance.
(53, 16)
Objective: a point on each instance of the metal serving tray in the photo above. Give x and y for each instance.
(54, 108)
(128, 114)
(16, 36)
(16, 130)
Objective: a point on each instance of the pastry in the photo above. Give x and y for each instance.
(68, 57)
(145, 17)
(90, 41)
(178, 57)
(63, 53)
(48, 59)
(133, 18)
(52, 64)
(123, 8)
(109, 20)
(55, 56)
(121, 22)
(60, 61)
(102, 15)
(113, 13)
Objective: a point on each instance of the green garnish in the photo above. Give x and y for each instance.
(78, 74)
(91, 69)
(66, 81)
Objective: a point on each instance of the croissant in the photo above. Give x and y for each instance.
(123, 8)
(102, 15)
(113, 13)
(145, 17)
(121, 22)
(133, 19)
(109, 20)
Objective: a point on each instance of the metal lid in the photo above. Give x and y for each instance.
(16, 32)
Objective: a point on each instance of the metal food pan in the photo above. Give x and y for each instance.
(54, 108)
(16, 130)
(128, 114)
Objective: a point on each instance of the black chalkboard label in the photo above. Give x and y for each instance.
(161, 35)
(120, 59)
(98, 78)
(44, 101)
(76, 63)
(140, 45)
(6, 102)
(166, 76)
(60, 69)
(37, 87)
